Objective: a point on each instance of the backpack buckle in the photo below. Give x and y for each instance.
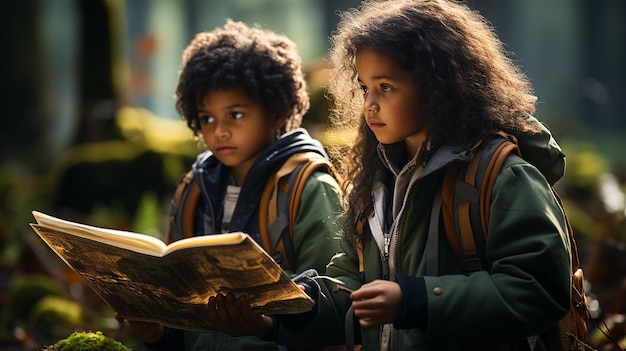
(472, 264)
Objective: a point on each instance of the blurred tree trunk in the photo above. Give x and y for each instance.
(97, 97)
(20, 69)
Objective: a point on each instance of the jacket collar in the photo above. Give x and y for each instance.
(390, 155)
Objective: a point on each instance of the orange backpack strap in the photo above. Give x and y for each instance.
(182, 208)
(466, 199)
(280, 202)
(499, 155)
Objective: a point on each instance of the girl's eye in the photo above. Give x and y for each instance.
(236, 115)
(364, 88)
(206, 119)
(385, 88)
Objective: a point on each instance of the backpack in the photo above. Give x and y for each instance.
(466, 219)
(278, 206)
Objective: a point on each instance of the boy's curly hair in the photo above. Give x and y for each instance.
(467, 82)
(266, 65)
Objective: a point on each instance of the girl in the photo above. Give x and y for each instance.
(422, 81)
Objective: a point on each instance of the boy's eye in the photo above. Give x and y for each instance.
(364, 88)
(206, 119)
(385, 88)
(236, 115)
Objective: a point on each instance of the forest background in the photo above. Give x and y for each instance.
(89, 130)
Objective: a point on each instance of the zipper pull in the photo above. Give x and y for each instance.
(387, 242)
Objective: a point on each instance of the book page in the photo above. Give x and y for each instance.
(206, 240)
(143, 243)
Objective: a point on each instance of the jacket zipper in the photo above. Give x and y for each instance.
(391, 252)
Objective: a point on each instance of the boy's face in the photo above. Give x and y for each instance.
(391, 100)
(235, 128)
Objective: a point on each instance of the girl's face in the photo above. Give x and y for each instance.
(391, 100)
(235, 128)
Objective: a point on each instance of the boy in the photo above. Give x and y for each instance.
(242, 92)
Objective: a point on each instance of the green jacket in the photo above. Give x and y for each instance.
(526, 287)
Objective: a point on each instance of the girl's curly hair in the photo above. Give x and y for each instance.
(467, 82)
(264, 64)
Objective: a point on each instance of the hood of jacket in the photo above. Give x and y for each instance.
(213, 177)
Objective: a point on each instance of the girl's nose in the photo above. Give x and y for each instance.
(370, 105)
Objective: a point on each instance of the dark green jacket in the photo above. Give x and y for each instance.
(526, 287)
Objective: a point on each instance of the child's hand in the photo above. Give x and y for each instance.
(377, 303)
(146, 331)
(234, 316)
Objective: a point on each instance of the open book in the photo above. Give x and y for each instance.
(141, 278)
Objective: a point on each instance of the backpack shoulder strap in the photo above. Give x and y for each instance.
(280, 202)
(182, 208)
(466, 199)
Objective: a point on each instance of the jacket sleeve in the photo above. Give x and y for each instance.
(326, 326)
(527, 286)
(316, 233)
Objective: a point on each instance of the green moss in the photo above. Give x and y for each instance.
(88, 341)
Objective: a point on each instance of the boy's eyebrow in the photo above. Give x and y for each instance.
(236, 105)
(226, 108)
